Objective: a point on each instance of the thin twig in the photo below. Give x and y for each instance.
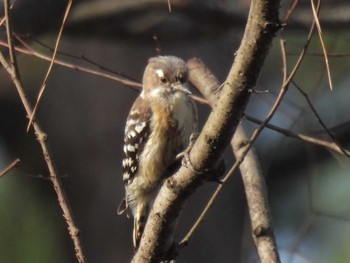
(9, 36)
(43, 85)
(9, 167)
(31, 52)
(318, 54)
(90, 61)
(284, 60)
(66, 54)
(115, 76)
(169, 6)
(324, 49)
(303, 52)
(334, 139)
(291, 10)
(186, 239)
(3, 19)
(305, 138)
(12, 70)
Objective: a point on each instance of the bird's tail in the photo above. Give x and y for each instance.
(139, 223)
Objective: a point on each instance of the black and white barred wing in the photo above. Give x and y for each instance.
(137, 130)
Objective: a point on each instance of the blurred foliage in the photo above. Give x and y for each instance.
(31, 225)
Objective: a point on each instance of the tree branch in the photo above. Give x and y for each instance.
(254, 183)
(9, 167)
(43, 85)
(329, 145)
(261, 27)
(256, 193)
(101, 71)
(12, 70)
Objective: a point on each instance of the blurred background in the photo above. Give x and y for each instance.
(84, 116)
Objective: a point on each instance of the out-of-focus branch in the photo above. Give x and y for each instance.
(253, 180)
(12, 70)
(43, 85)
(204, 80)
(9, 167)
(101, 73)
(305, 138)
(324, 49)
(261, 27)
(256, 193)
(334, 139)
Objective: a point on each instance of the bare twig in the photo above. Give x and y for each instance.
(80, 56)
(316, 141)
(324, 49)
(115, 77)
(318, 54)
(43, 85)
(12, 70)
(185, 240)
(13, 59)
(3, 19)
(334, 139)
(284, 60)
(9, 167)
(169, 6)
(291, 10)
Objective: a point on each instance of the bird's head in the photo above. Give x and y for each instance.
(165, 75)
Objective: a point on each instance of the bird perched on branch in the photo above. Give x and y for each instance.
(159, 126)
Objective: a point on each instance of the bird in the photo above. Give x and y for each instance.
(158, 129)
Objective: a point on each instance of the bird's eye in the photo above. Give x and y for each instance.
(163, 80)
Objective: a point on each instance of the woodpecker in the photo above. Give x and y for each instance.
(158, 128)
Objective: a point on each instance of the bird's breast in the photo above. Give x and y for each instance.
(172, 123)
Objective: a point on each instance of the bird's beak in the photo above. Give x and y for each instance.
(182, 88)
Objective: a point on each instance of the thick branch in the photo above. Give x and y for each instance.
(158, 235)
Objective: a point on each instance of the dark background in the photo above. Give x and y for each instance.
(84, 117)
